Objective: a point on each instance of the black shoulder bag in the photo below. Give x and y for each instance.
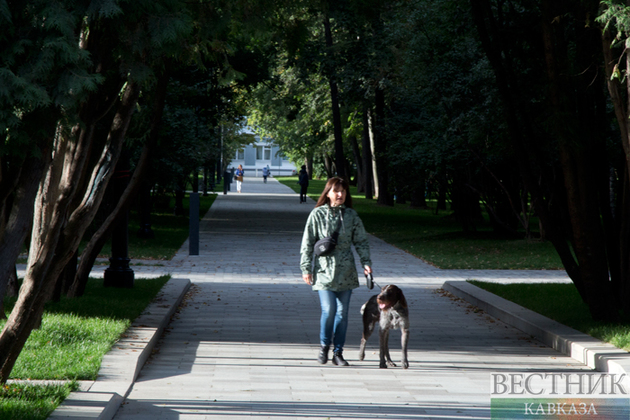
(326, 246)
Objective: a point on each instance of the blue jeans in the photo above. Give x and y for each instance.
(334, 320)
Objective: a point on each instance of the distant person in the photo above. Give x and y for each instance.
(334, 275)
(265, 173)
(303, 181)
(238, 176)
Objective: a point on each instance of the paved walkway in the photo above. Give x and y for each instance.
(244, 344)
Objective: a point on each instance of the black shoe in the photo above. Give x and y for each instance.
(323, 355)
(339, 360)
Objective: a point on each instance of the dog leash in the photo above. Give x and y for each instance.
(370, 281)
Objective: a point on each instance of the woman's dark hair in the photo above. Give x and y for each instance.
(332, 185)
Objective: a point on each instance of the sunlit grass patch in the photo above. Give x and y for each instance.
(561, 302)
(76, 333)
(32, 402)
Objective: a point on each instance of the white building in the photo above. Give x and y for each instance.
(254, 157)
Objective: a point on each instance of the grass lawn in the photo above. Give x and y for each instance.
(439, 240)
(562, 303)
(31, 402)
(74, 336)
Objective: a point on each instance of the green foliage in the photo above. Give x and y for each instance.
(443, 123)
(295, 113)
(615, 16)
(201, 120)
(42, 67)
(104, 9)
(295, 110)
(446, 121)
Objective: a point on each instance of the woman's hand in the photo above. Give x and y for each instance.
(308, 278)
(367, 270)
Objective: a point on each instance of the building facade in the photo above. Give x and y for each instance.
(254, 157)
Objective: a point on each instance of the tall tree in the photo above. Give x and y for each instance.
(562, 158)
(615, 19)
(340, 158)
(80, 161)
(34, 90)
(77, 287)
(295, 112)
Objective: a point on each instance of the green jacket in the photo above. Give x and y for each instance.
(337, 271)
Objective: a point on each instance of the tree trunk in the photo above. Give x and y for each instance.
(10, 174)
(334, 97)
(616, 93)
(65, 278)
(20, 218)
(308, 161)
(418, 198)
(359, 162)
(10, 290)
(579, 157)
(145, 206)
(380, 145)
(57, 228)
(620, 276)
(328, 165)
(575, 217)
(366, 147)
(94, 246)
(519, 133)
(465, 202)
(372, 132)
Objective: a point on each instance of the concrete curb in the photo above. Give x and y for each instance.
(122, 364)
(596, 354)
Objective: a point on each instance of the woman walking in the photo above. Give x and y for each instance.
(238, 175)
(334, 275)
(303, 181)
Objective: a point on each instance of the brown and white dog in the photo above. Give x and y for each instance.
(389, 309)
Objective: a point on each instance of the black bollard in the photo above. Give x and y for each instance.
(119, 274)
(193, 224)
(226, 182)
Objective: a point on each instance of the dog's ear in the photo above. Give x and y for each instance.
(401, 298)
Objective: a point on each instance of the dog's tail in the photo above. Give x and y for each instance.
(363, 308)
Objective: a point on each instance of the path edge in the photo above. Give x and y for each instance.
(596, 354)
(122, 364)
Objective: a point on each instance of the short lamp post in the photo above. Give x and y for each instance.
(119, 274)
